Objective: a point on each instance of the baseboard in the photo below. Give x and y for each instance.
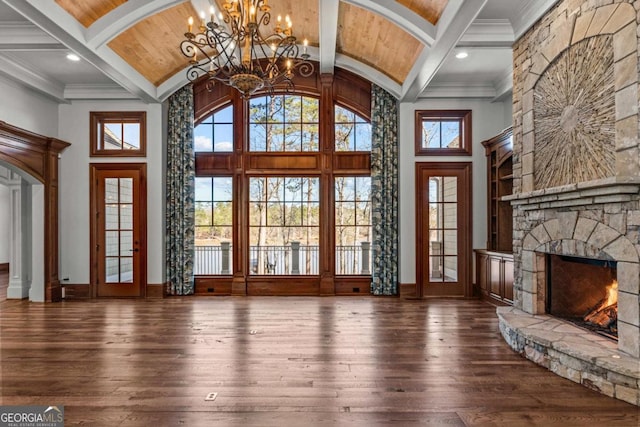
(407, 290)
(155, 290)
(76, 292)
(4, 267)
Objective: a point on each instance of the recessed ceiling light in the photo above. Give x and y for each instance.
(73, 57)
(462, 54)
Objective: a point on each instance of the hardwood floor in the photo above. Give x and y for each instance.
(283, 362)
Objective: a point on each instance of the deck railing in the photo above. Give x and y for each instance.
(293, 259)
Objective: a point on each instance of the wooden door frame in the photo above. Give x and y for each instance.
(93, 170)
(465, 216)
(38, 156)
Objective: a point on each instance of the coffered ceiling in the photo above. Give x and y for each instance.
(130, 48)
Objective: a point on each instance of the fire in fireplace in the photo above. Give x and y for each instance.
(605, 313)
(583, 291)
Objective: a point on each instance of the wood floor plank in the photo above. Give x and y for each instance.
(283, 362)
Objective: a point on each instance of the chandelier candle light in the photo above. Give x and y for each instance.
(231, 49)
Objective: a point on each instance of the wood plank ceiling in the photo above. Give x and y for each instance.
(89, 11)
(151, 46)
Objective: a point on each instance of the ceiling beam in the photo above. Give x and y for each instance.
(328, 12)
(26, 36)
(403, 17)
(123, 17)
(59, 24)
(454, 22)
(488, 33)
(15, 70)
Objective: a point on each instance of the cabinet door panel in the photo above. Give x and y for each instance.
(508, 281)
(494, 276)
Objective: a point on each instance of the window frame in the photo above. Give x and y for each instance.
(98, 119)
(462, 116)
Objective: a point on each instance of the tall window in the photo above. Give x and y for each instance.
(285, 192)
(284, 220)
(353, 224)
(214, 225)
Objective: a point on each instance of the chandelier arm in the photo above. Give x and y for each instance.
(220, 38)
(239, 55)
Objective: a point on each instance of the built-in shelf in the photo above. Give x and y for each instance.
(499, 151)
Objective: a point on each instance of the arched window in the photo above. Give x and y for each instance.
(283, 195)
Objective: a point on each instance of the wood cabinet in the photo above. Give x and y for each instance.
(499, 151)
(494, 265)
(494, 276)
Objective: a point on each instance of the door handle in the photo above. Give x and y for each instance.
(134, 250)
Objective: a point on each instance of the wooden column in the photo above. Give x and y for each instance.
(327, 196)
(240, 198)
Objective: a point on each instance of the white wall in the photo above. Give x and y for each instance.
(508, 112)
(488, 119)
(74, 187)
(28, 110)
(4, 224)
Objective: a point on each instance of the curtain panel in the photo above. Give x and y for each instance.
(384, 190)
(180, 189)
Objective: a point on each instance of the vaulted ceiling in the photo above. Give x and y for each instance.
(130, 48)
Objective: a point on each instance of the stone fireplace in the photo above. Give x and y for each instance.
(577, 189)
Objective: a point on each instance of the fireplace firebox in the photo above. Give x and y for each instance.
(584, 292)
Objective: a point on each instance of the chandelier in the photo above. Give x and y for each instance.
(233, 49)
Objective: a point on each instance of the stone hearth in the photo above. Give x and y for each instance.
(572, 353)
(577, 185)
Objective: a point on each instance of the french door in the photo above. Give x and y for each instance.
(118, 230)
(443, 264)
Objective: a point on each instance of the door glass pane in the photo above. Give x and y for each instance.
(435, 268)
(111, 217)
(111, 243)
(450, 189)
(450, 246)
(126, 243)
(450, 215)
(126, 217)
(112, 271)
(126, 190)
(126, 270)
(450, 269)
(111, 190)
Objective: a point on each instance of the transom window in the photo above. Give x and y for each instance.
(118, 134)
(283, 123)
(443, 132)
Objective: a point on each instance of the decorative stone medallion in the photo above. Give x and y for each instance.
(574, 116)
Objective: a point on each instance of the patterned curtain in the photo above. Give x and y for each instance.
(384, 191)
(180, 194)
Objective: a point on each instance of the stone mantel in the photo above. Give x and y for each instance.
(608, 190)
